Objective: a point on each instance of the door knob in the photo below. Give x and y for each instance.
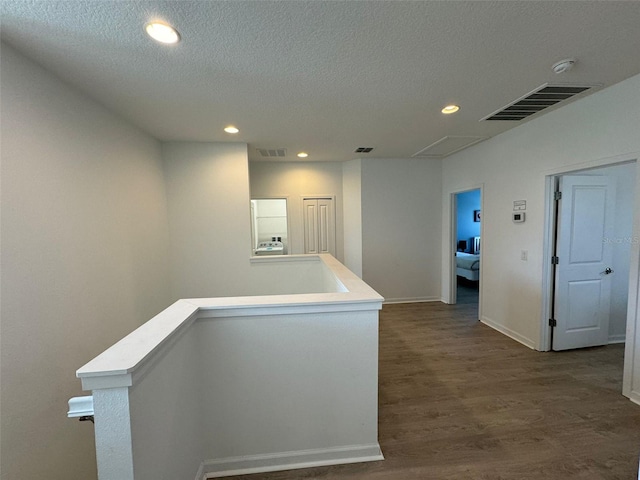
(608, 271)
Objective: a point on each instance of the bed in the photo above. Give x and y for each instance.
(468, 264)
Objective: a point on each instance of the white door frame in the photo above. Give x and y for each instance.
(453, 244)
(631, 381)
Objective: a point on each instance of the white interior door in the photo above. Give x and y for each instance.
(583, 274)
(319, 225)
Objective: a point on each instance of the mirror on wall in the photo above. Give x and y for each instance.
(269, 226)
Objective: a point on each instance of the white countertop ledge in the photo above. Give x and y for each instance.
(127, 357)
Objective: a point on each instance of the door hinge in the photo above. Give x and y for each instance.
(552, 322)
(557, 195)
(555, 260)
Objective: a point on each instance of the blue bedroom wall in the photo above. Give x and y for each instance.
(468, 202)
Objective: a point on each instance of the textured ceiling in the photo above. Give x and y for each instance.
(323, 76)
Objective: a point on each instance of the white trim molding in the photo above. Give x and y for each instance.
(227, 467)
(389, 301)
(527, 342)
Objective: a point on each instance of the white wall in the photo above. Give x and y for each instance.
(323, 397)
(626, 180)
(352, 210)
(401, 225)
(84, 246)
(294, 180)
(513, 166)
(209, 217)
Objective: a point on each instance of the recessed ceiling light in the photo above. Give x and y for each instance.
(162, 32)
(450, 109)
(231, 129)
(303, 155)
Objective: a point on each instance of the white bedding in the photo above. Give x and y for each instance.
(467, 261)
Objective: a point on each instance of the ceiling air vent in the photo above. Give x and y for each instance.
(448, 145)
(540, 99)
(363, 149)
(272, 152)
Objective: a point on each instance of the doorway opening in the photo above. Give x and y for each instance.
(591, 227)
(269, 226)
(466, 247)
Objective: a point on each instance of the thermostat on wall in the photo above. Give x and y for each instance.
(518, 217)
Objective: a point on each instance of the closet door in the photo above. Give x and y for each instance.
(310, 207)
(319, 225)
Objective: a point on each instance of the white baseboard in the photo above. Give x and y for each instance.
(226, 467)
(411, 300)
(617, 339)
(634, 397)
(509, 333)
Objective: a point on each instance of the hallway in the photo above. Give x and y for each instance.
(461, 401)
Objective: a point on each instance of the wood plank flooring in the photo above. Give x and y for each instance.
(461, 401)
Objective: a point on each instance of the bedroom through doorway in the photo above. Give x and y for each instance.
(468, 220)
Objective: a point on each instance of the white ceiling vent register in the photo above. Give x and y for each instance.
(272, 152)
(448, 145)
(543, 97)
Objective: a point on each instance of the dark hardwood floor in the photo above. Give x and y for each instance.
(459, 400)
(467, 291)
